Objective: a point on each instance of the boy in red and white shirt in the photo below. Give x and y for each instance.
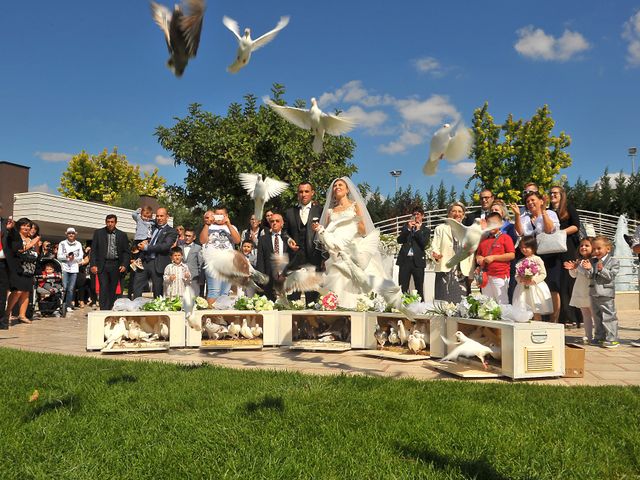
(494, 255)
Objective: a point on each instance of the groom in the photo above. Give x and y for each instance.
(298, 222)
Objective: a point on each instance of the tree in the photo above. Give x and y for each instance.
(104, 178)
(508, 156)
(215, 149)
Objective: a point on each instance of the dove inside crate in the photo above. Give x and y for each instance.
(237, 331)
(129, 333)
(321, 332)
(400, 335)
(488, 336)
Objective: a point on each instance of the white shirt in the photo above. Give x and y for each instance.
(186, 249)
(528, 227)
(304, 212)
(280, 250)
(64, 249)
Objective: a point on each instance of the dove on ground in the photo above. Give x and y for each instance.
(256, 331)
(135, 332)
(232, 266)
(414, 343)
(117, 334)
(261, 190)
(402, 333)
(234, 330)
(181, 32)
(421, 338)
(245, 330)
(246, 46)
(315, 120)
(468, 238)
(393, 337)
(212, 328)
(444, 145)
(380, 336)
(466, 348)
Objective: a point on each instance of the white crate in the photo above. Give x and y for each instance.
(529, 350)
(96, 320)
(268, 320)
(436, 327)
(360, 337)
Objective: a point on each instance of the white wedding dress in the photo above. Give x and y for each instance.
(341, 235)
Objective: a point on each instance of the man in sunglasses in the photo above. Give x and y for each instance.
(486, 200)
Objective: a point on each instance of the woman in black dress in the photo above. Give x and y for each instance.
(22, 260)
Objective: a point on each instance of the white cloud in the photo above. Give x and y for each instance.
(428, 65)
(429, 112)
(631, 32)
(536, 44)
(406, 140)
(147, 167)
(463, 169)
(354, 92)
(54, 156)
(43, 187)
(162, 160)
(370, 120)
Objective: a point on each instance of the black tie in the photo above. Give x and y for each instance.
(276, 243)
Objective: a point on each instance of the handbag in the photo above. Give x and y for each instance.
(552, 242)
(480, 275)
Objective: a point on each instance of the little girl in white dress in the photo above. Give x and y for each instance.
(580, 297)
(532, 292)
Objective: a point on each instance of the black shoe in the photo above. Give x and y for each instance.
(4, 326)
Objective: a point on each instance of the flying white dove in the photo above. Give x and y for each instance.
(402, 332)
(232, 266)
(261, 190)
(246, 46)
(453, 148)
(117, 334)
(181, 32)
(245, 330)
(302, 279)
(234, 330)
(315, 120)
(468, 238)
(188, 305)
(466, 348)
(256, 331)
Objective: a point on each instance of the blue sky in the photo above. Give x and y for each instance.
(89, 75)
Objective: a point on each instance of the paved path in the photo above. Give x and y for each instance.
(67, 336)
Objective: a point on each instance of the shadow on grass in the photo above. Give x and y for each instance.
(187, 367)
(267, 403)
(70, 402)
(479, 469)
(123, 378)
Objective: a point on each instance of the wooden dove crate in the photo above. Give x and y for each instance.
(358, 330)
(529, 350)
(96, 321)
(435, 326)
(268, 320)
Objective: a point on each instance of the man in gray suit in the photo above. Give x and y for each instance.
(192, 257)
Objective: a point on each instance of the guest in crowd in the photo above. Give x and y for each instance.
(535, 220)
(21, 259)
(276, 242)
(570, 223)
(192, 257)
(486, 200)
(302, 238)
(177, 277)
(531, 291)
(83, 292)
(580, 295)
(70, 253)
(180, 240)
(252, 233)
(46, 251)
(109, 259)
(155, 254)
(218, 233)
(635, 246)
(494, 255)
(498, 206)
(6, 226)
(451, 284)
(411, 258)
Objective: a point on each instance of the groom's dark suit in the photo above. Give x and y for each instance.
(304, 237)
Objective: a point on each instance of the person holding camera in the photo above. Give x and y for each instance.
(70, 255)
(218, 232)
(411, 260)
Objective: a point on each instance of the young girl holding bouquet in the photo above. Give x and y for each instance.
(580, 297)
(531, 291)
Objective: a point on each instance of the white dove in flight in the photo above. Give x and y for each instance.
(452, 148)
(246, 46)
(466, 348)
(181, 32)
(468, 238)
(232, 266)
(315, 120)
(261, 189)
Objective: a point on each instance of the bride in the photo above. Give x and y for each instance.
(347, 233)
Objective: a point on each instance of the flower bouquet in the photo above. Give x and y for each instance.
(257, 303)
(370, 303)
(328, 302)
(527, 269)
(479, 306)
(411, 297)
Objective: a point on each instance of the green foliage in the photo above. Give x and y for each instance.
(611, 195)
(105, 177)
(509, 155)
(215, 149)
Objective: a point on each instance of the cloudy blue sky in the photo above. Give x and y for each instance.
(88, 75)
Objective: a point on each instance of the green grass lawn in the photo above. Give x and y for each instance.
(114, 419)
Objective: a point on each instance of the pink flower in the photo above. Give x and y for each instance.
(329, 301)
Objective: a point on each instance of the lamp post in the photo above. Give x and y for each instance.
(632, 153)
(395, 174)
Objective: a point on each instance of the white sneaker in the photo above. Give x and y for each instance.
(636, 343)
(69, 309)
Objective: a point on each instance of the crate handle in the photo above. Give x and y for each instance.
(539, 336)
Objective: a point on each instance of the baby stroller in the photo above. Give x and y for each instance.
(48, 292)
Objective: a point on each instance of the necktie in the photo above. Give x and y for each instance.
(154, 237)
(276, 243)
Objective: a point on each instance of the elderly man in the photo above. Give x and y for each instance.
(156, 255)
(5, 226)
(486, 200)
(275, 242)
(109, 259)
